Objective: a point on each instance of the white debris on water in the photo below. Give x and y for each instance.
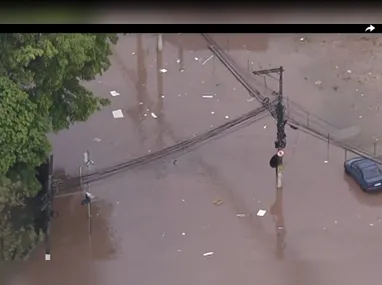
(145, 115)
(196, 58)
(261, 213)
(360, 117)
(183, 234)
(162, 96)
(153, 115)
(114, 93)
(163, 235)
(204, 62)
(47, 257)
(163, 70)
(227, 117)
(362, 94)
(183, 200)
(117, 202)
(241, 215)
(140, 103)
(250, 99)
(211, 126)
(348, 71)
(208, 253)
(178, 61)
(149, 150)
(318, 82)
(133, 53)
(335, 222)
(325, 161)
(118, 114)
(371, 225)
(337, 66)
(97, 139)
(208, 96)
(302, 39)
(212, 112)
(265, 127)
(234, 88)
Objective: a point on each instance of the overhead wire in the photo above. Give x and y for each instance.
(184, 146)
(312, 128)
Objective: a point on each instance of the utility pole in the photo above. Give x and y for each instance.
(280, 143)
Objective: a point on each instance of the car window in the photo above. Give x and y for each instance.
(371, 172)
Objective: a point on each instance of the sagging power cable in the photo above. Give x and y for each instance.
(182, 147)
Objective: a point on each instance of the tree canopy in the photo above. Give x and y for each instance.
(40, 93)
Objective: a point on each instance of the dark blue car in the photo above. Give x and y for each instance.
(365, 172)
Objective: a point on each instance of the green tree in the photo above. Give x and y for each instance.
(40, 93)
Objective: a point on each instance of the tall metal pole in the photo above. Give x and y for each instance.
(280, 143)
(48, 209)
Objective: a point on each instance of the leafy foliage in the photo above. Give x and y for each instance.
(40, 93)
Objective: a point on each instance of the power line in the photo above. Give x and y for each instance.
(184, 146)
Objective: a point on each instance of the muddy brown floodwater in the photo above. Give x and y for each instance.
(161, 223)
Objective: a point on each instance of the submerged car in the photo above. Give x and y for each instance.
(365, 172)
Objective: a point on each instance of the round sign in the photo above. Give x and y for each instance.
(280, 153)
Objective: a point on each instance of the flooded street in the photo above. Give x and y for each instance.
(193, 219)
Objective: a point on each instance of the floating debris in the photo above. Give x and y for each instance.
(163, 70)
(218, 202)
(118, 114)
(227, 117)
(97, 139)
(208, 96)
(318, 82)
(153, 115)
(133, 53)
(140, 103)
(335, 222)
(212, 112)
(178, 61)
(183, 200)
(241, 215)
(371, 225)
(337, 66)
(149, 150)
(204, 62)
(208, 253)
(362, 95)
(325, 161)
(302, 39)
(360, 117)
(183, 234)
(265, 127)
(163, 235)
(261, 213)
(114, 93)
(348, 71)
(234, 88)
(196, 58)
(162, 96)
(250, 99)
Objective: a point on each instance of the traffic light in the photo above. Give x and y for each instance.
(275, 161)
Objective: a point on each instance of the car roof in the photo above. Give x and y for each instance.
(365, 163)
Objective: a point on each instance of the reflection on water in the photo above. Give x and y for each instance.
(73, 248)
(278, 217)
